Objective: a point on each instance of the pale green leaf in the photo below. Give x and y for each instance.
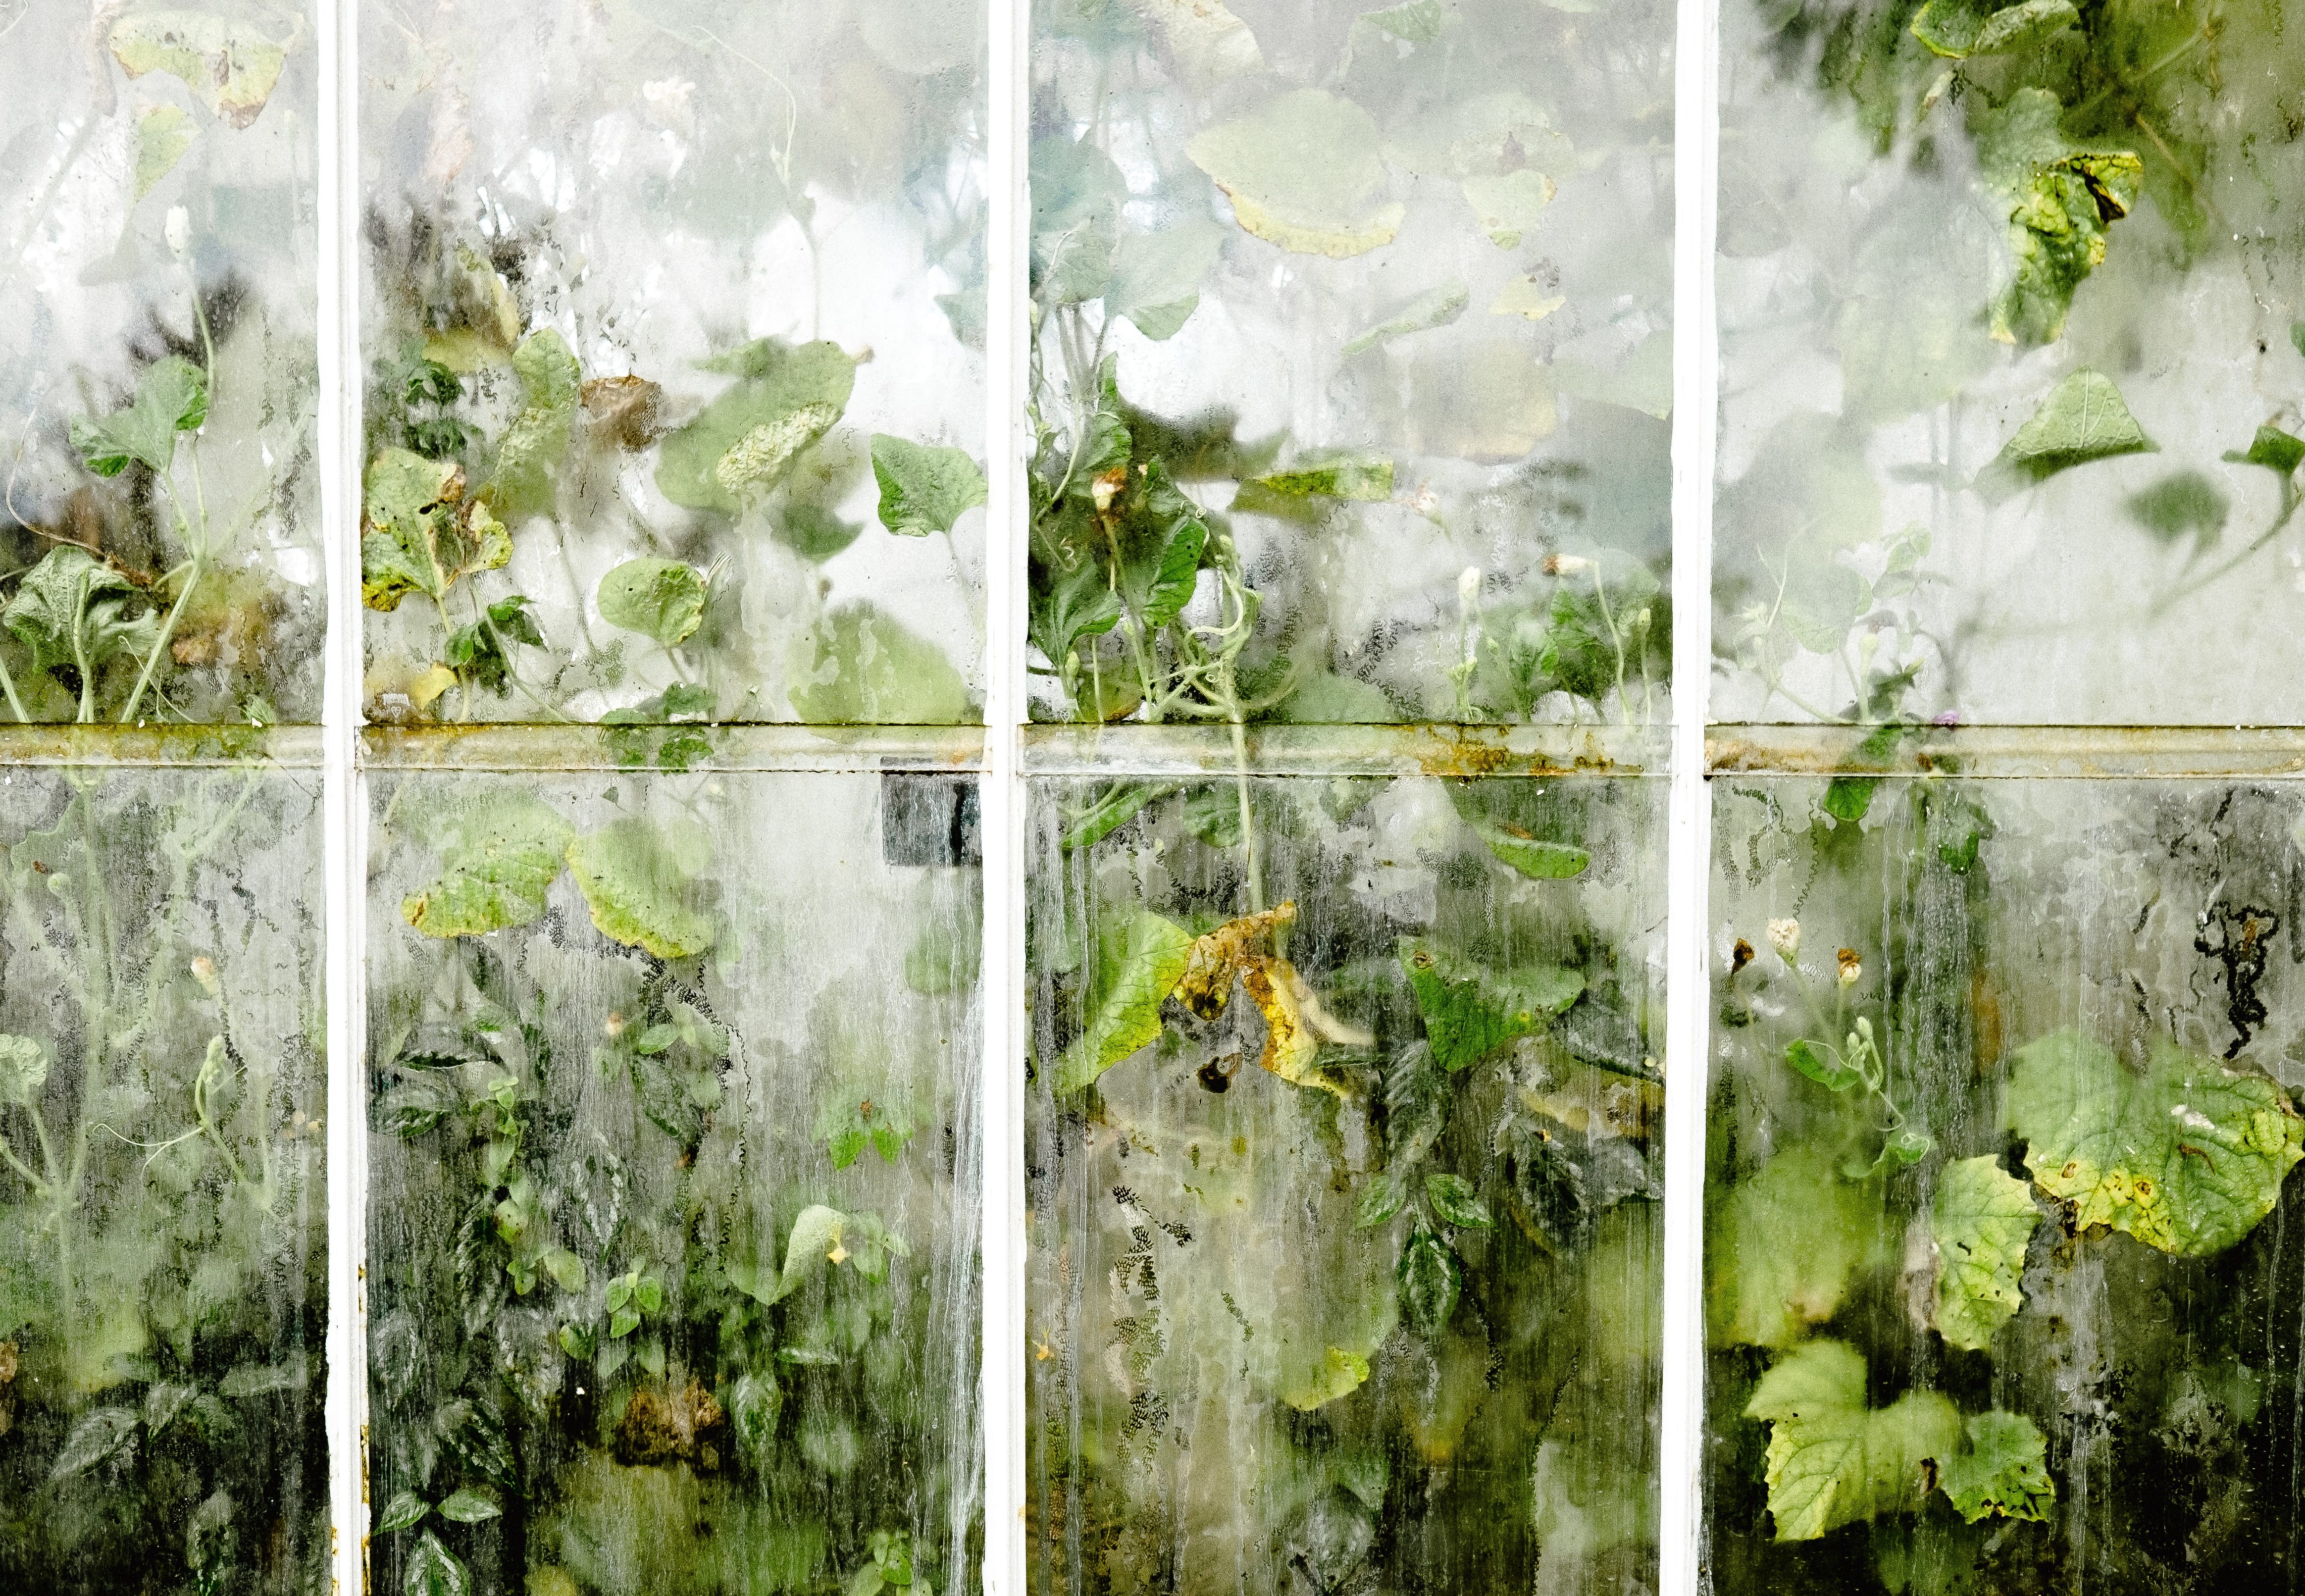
(1957, 30)
(1156, 277)
(1455, 1202)
(1137, 978)
(229, 67)
(745, 442)
(2082, 420)
(1412, 22)
(499, 852)
(2000, 1472)
(100, 1433)
(1833, 1461)
(815, 1238)
(468, 1506)
(163, 134)
(1208, 42)
(71, 610)
(1302, 171)
(1339, 1373)
(637, 885)
(924, 488)
(860, 665)
(1980, 1220)
(529, 458)
(1781, 1247)
(2187, 1155)
(662, 599)
(172, 396)
(1435, 307)
(23, 1070)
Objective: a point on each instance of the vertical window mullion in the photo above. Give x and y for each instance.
(1696, 125)
(1002, 1098)
(338, 431)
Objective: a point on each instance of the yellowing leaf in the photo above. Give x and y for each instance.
(1980, 1219)
(230, 68)
(1208, 42)
(2060, 200)
(1215, 961)
(1833, 1461)
(860, 666)
(2187, 1155)
(1303, 172)
(1526, 296)
(163, 134)
(1339, 1373)
(1506, 204)
(636, 883)
(499, 852)
(1136, 978)
(422, 536)
(1781, 1247)
(747, 441)
(1999, 1473)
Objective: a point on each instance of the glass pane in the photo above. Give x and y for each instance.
(2010, 374)
(158, 363)
(1353, 359)
(1997, 1295)
(674, 335)
(163, 1205)
(674, 1213)
(1344, 1246)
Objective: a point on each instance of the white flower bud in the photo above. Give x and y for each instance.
(1468, 587)
(1784, 936)
(1852, 971)
(179, 231)
(1566, 564)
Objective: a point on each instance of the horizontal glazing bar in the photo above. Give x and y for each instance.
(2007, 753)
(171, 746)
(674, 748)
(1433, 749)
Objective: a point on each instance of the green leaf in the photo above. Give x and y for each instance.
(740, 446)
(1336, 476)
(528, 461)
(1160, 582)
(1431, 1278)
(434, 1571)
(1822, 1067)
(499, 854)
(23, 1070)
(172, 396)
(1956, 30)
(2082, 420)
(405, 1509)
(1435, 307)
(662, 599)
(924, 488)
(2272, 448)
(2184, 505)
(1413, 21)
(71, 608)
(566, 1269)
(1565, 1179)
(1980, 1220)
(2000, 1472)
(1156, 277)
(467, 1505)
(860, 665)
(1302, 171)
(229, 66)
(816, 1234)
(163, 134)
(1470, 1012)
(100, 1433)
(422, 536)
(1454, 1199)
(415, 1106)
(1781, 1247)
(1537, 860)
(1339, 1373)
(1831, 1460)
(2060, 201)
(1078, 604)
(1382, 1199)
(2187, 1156)
(1136, 978)
(752, 1408)
(1077, 193)
(1111, 808)
(637, 885)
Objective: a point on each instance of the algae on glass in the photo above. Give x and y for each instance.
(1351, 360)
(1344, 1147)
(158, 363)
(2003, 1120)
(673, 341)
(2012, 397)
(673, 1195)
(163, 1207)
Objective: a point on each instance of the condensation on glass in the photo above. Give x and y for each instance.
(672, 1277)
(674, 373)
(1997, 1283)
(163, 1205)
(1344, 1143)
(2010, 364)
(1352, 360)
(158, 364)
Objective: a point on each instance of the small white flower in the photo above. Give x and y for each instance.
(179, 231)
(1784, 936)
(1566, 564)
(1468, 587)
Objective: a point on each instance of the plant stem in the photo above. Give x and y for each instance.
(1247, 821)
(160, 643)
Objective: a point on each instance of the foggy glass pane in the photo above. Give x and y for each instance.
(672, 1265)
(163, 1205)
(1352, 360)
(1998, 1295)
(158, 363)
(673, 337)
(2010, 371)
(1344, 1237)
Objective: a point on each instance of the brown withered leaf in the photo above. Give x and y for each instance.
(662, 1425)
(1295, 1025)
(1218, 959)
(625, 409)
